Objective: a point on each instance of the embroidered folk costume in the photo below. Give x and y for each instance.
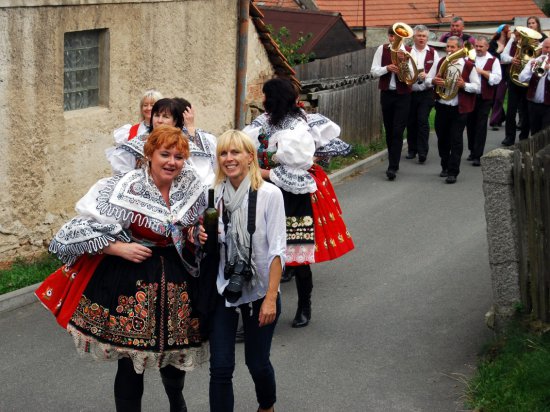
(315, 229)
(115, 308)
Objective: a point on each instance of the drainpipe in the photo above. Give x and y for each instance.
(242, 52)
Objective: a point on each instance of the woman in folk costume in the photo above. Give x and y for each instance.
(131, 265)
(128, 132)
(174, 112)
(289, 142)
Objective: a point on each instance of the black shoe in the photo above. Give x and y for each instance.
(476, 162)
(450, 179)
(470, 158)
(507, 142)
(494, 128)
(287, 275)
(391, 174)
(302, 318)
(421, 158)
(410, 155)
(443, 173)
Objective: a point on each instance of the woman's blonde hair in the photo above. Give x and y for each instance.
(240, 141)
(151, 94)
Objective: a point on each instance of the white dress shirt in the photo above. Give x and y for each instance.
(472, 86)
(419, 57)
(496, 73)
(378, 70)
(525, 77)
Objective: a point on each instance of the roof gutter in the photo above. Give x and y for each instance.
(242, 53)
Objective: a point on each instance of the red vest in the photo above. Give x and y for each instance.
(428, 60)
(133, 131)
(466, 101)
(533, 83)
(384, 82)
(487, 91)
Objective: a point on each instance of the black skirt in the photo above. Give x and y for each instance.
(140, 310)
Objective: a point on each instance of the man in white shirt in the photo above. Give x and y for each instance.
(488, 68)
(422, 99)
(395, 99)
(538, 92)
(451, 114)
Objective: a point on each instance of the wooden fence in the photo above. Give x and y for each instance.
(342, 89)
(532, 196)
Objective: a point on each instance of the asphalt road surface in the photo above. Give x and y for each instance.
(397, 323)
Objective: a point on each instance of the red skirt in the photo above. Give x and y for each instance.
(332, 238)
(61, 291)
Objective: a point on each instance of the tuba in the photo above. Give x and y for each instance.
(526, 50)
(451, 73)
(407, 74)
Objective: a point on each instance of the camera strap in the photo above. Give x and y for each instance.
(251, 223)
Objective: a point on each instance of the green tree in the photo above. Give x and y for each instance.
(290, 49)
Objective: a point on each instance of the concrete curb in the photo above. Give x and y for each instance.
(25, 296)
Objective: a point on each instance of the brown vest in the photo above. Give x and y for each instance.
(384, 82)
(487, 91)
(428, 60)
(532, 88)
(466, 101)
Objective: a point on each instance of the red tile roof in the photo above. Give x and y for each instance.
(288, 4)
(386, 12)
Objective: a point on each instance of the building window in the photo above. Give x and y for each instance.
(85, 69)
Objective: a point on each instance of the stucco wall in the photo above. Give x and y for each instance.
(51, 157)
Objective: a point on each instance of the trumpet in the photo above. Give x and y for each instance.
(539, 65)
(406, 74)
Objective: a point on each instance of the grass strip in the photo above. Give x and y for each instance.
(23, 273)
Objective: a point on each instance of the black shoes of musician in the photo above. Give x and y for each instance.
(391, 174)
(476, 162)
(507, 142)
(421, 158)
(470, 158)
(410, 155)
(450, 179)
(443, 173)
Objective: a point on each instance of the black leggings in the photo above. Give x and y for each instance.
(129, 384)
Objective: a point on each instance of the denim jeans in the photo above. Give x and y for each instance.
(257, 346)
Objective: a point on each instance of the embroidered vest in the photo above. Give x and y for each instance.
(532, 88)
(384, 82)
(487, 91)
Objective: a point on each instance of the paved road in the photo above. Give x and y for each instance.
(396, 324)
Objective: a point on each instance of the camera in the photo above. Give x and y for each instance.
(237, 273)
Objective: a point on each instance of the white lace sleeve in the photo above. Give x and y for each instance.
(89, 231)
(326, 134)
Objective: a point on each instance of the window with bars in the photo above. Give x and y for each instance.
(84, 71)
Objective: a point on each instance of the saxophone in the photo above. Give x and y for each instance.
(526, 50)
(407, 74)
(450, 73)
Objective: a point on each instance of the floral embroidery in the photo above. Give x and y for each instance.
(300, 229)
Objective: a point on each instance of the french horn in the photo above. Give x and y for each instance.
(408, 72)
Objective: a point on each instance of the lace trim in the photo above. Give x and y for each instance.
(183, 359)
(292, 180)
(300, 254)
(336, 147)
(135, 146)
(316, 119)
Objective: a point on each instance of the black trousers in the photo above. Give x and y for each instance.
(395, 113)
(539, 116)
(517, 100)
(476, 126)
(449, 127)
(418, 126)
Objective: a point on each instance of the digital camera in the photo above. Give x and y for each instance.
(237, 273)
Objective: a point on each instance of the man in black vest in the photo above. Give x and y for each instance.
(395, 99)
(538, 91)
(451, 113)
(488, 68)
(422, 98)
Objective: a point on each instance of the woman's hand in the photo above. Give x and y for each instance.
(203, 237)
(189, 120)
(134, 252)
(268, 311)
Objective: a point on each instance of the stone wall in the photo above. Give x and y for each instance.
(50, 157)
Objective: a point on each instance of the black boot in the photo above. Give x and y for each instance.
(173, 386)
(304, 286)
(128, 405)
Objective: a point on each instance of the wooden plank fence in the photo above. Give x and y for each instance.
(532, 196)
(342, 89)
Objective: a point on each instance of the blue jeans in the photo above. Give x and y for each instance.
(257, 346)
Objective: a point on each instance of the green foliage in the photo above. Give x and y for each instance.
(358, 152)
(546, 8)
(24, 273)
(513, 374)
(289, 49)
